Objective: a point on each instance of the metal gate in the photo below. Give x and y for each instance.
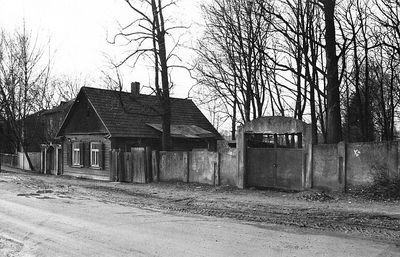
(275, 168)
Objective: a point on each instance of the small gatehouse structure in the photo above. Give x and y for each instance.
(274, 152)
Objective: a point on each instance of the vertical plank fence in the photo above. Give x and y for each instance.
(133, 166)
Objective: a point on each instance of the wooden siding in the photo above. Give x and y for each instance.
(87, 172)
(178, 144)
(83, 119)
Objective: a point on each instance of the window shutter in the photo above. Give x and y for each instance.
(101, 156)
(81, 152)
(86, 154)
(69, 153)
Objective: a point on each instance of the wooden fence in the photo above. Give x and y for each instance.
(20, 161)
(133, 166)
(10, 160)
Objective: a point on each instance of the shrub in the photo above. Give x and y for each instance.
(383, 186)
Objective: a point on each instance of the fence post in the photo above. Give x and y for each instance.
(119, 165)
(154, 164)
(241, 158)
(148, 163)
(398, 158)
(112, 177)
(186, 157)
(342, 169)
(309, 170)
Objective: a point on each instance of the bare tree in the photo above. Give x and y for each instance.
(231, 58)
(24, 75)
(67, 87)
(147, 37)
(112, 77)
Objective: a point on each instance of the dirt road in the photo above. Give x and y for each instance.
(47, 216)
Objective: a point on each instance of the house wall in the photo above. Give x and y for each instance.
(125, 144)
(179, 144)
(43, 126)
(188, 144)
(35, 132)
(84, 120)
(88, 172)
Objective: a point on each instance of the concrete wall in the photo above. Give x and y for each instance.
(199, 166)
(365, 159)
(35, 160)
(325, 163)
(344, 166)
(328, 167)
(203, 167)
(173, 166)
(278, 125)
(228, 174)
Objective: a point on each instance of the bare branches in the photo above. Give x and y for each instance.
(147, 39)
(24, 82)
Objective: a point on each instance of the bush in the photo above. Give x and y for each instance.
(383, 186)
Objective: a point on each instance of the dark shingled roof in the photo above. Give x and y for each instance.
(63, 107)
(126, 115)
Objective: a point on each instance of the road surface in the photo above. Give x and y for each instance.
(40, 224)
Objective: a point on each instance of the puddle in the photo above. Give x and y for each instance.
(28, 195)
(45, 197)
(64, 196)
(45, 191)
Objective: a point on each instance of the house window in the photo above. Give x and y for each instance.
(95, 154)
(76, 154)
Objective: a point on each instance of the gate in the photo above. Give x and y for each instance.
(275, 168)
(131, 166)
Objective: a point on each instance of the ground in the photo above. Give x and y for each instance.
(44, 215)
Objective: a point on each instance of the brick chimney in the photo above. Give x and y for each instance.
(135, 88)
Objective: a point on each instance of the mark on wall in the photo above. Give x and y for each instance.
(357, 152)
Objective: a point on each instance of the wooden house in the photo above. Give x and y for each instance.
(50, 147)
(101, 120)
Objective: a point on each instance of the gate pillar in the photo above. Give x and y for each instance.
(241, 157)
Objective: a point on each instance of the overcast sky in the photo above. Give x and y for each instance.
(78, 31)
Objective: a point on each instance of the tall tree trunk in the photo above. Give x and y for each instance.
(234, 113)
(165, 99)
(334, 123)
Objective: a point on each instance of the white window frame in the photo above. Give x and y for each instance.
(76, 154)
(95, 155)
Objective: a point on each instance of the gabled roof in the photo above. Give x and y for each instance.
(126, 115)
(63, 107)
